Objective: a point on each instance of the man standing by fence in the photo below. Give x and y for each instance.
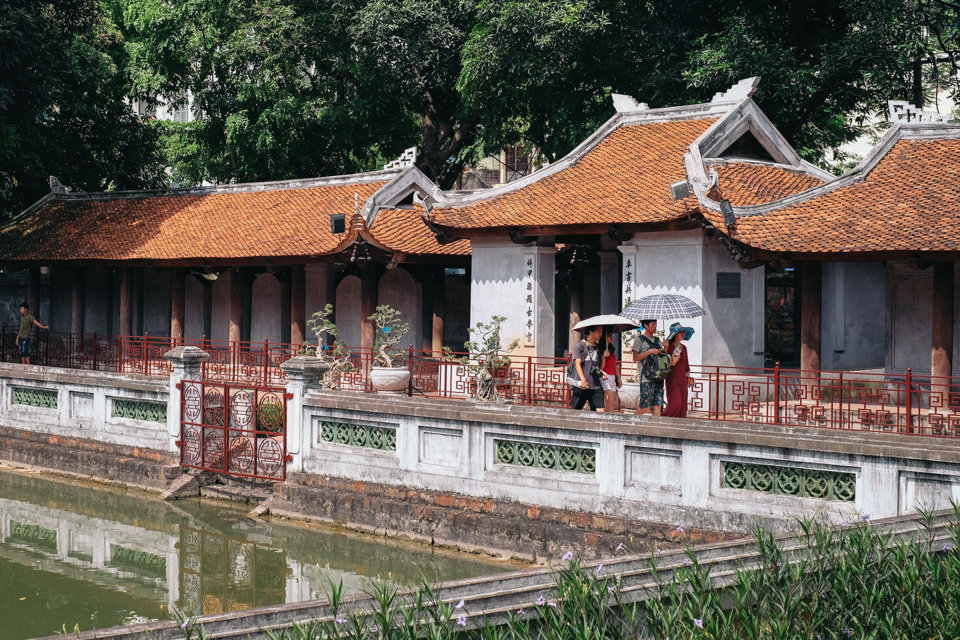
(26, 326)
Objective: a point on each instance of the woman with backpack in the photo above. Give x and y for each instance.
(678, 380)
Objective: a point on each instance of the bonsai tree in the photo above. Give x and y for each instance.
(338, 357)
(486, 356)
(389, 332)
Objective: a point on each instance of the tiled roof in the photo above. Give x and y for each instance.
(910, 201)
(264, 221)
(624, 179)
(750, 183)
(404, 230)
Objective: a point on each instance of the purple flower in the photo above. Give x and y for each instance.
(541, 601)
(686, 562)
(599, 569)
(620, 547)
(340, 619)
(186, 621)
(375, 628)
(459, 605)
(866, 518)
(698, 622)
(568, 556)
(845, 524)
(947, 547)
(612, 588)
(552, 603)
(659, 552)
(462, 621)
(679, 528)
(848, 632)
(520, 612)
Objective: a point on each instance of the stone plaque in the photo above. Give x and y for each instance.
(728, 284)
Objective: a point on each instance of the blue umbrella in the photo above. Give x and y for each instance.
(663, 305)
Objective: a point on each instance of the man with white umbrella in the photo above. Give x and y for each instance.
(584, 375)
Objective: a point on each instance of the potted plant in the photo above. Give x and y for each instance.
(334, 355)
(384, 375)
(486, 359)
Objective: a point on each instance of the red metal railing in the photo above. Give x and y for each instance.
(905, 403)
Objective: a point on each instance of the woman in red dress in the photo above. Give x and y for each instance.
(679, 377)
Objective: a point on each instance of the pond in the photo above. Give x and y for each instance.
(74, 556)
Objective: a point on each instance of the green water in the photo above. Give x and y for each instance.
(73, 556)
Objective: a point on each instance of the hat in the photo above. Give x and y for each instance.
(675, 328)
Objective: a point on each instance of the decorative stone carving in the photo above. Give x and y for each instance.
(407, 159)
(902, 112)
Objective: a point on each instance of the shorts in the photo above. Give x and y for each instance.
(651, 395)
(580, 397)
(610, 384)
(24, 344)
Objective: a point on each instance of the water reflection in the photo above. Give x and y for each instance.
(76, 556)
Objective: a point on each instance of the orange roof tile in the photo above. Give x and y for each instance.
(750, 183)
(910, 201)
(262, 221)
(404, 231)
(624, 179)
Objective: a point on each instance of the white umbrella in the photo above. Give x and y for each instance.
(610, 322)
(663, 305)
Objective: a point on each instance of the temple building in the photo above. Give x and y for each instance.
(792, 264)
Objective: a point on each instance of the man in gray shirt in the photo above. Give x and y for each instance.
(23, 336)
(585, 375)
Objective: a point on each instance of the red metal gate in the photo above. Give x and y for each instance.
(235, 429)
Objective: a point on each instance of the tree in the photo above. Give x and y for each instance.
(62, 107)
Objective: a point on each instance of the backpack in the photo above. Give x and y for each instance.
(656, 367)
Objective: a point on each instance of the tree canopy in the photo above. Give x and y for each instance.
(296, 88)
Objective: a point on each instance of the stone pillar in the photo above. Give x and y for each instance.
(303, 374)
(609, 282)
(76, 307)
(368, 305)
(126, 301)
(576, 306)
(33, 291)
(298, 302)
(439, 298)
(941, 367)
(811, 316)
(235, 334)
(178, 303)
(186, 363)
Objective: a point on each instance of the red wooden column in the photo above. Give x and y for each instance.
(298, 304)
(941, 366)
(126, 301)
(811, 314)
(178, 302)
(439, 295)
(368, 305)
(76, 306)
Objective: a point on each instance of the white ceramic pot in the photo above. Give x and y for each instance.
(390, 379)
(630, 395)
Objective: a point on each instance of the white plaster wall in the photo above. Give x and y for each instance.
(398, 289)
(193, 308)
(670, 262)
(347, 310)
(497, 288)
(265, 309)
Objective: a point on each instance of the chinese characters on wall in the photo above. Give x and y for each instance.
(529, 299)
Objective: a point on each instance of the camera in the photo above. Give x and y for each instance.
(596, 372)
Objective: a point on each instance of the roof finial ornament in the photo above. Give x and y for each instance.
(58, 187)
(624, 103)
(423, 202)
(740, 91)
(407, 159)
(902, 112)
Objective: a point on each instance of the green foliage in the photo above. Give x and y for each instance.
(62, 105)
(335, 354)
(830, 583)
(389, 332)
(486, 356)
